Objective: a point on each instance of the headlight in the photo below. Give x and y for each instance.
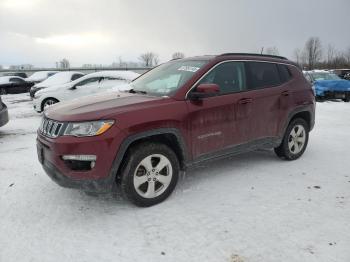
(93, 128)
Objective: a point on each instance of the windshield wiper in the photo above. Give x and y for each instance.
(133, 91)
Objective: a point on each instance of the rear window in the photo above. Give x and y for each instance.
(76, 76)
(16, 80)
(284, 72)
(261, 75)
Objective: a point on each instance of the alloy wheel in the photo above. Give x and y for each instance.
(296, 139)
(153, 176)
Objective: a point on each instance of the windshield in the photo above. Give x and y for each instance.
(59, 78)
(325, 76)
(167, 78)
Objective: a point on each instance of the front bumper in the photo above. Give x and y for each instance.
(100, 179)
(37, 105)
(336, 95)
(34, 90)
(88, 185)
(4, 116)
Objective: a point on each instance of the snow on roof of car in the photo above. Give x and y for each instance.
(39, 75)
(6, 79)
(59, 78)
(318, 71)
(127, 75)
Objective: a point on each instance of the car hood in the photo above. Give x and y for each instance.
(335, 85)
(43, 84)
(54, 88)
(98, 106)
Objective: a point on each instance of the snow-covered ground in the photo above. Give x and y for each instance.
(252, 207)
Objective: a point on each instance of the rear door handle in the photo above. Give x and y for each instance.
(285, 93)
(244, 101)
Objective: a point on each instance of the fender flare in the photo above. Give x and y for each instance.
(299, 109)
(132, 138)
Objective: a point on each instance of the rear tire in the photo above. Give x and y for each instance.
(319, 99)
(150, 174)
(294, 141)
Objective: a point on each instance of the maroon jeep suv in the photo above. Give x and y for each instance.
(178, 114)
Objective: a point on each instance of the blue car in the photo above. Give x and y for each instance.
(328, 86)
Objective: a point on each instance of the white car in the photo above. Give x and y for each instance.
(40, 76)
(86, 85)
(56, 79)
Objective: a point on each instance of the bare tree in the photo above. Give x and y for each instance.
(297, 55)
(149, 59)
(347, 56)
(156, 60)
(313, 51)
(64, 64)
(178, 55)
(121, 62)
(331, 53)
(272, 51)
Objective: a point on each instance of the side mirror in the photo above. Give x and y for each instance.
(204, 91)
(73, 88)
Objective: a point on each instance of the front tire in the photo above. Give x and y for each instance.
(346, 99)
(294, 141)
(3, 91)
(150, 174)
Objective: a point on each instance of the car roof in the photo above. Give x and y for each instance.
(6, 79)
(128, 75)
(244, 56)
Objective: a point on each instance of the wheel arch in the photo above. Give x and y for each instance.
(44, 100)
(306, 115)
(169, 136)
(304, 112)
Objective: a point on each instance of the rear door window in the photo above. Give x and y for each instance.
(262, 75)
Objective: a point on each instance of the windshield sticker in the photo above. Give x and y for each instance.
(189, 68)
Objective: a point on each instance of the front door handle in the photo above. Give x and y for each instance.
(244, 101)
(285, 93)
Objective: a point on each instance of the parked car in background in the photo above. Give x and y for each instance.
(340, 72)
(40, 76)
(347, 76)
(4, 117)
(57, 79)
(87, 85)
(328, 85)
(14, 85)
(20, 74)
(179, 114)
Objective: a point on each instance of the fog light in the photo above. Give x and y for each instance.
(80, 157)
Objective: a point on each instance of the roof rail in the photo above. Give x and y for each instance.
(252, 54)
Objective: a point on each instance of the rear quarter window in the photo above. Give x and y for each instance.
(284, 73)
(76, 76)
(262, 75)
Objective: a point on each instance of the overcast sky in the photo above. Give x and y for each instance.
(41, 32)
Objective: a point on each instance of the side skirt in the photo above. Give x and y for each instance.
(264, 143)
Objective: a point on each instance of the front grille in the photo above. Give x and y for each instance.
(50, 128)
